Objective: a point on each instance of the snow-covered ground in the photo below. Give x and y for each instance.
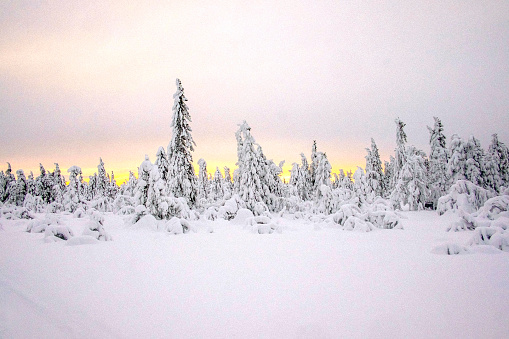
(312, 280)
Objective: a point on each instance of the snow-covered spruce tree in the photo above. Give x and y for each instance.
(141, 191)
(112, 188)
(457, 159)
(322, 173)
(411, 188)
(162, 164)
(474, 166)
(216, 186)
(92, 186)
(72, 198)
(251, 188)
(31, 184)
(156, 191)
(44, 186)
(182, 179)
(102, 180)
(437, 174)
(304, 185)
(497, 165)
(128, 187)
(8, 179)
(361, 187)
(203, 183)
(313, 166)
(227, 183)
(400, 151)
(389, 176)
(374, 173)
(18, 189)
(58, 179)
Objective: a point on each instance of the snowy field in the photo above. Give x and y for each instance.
(312, 280)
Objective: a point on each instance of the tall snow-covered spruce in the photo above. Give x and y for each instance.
(182, 179)
(437, 174)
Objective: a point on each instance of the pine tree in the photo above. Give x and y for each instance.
(44, 186)
(162, 164)
(203, 182)
(437, 174)
(228, 183)
(457, 160)
(322, 173)
(216, 186)
(474, 165)
(400, 151)
(141, 191)
(313, 165)
(304, 183)
(411, 188)
(102, 182)
(18, 189)
(374, 174)
(8, 179)
(73, 198)
(497, 164)
(182, 179)
(250, 188)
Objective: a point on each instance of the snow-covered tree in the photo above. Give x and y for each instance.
(474, 165)
(44, 186)
(304, 184)
(141, 191)
(374, 173)
(227, 184)
(400, 151)
(388, 176)
(457, 159)
(216, 186)
(361, 186)
(182, 179)
(251, 187)
(18, 189)
(497, 164)
(102, 180)
(203, 182)
(437, 174)
(8, 179)
(322, 172)
(162, 164)
(411, 190)
(72, 198)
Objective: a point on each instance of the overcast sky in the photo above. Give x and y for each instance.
(81, 80)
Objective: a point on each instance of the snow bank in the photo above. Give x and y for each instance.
(463, 195)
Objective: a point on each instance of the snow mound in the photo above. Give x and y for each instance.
(242, 215)
(82, 240)
(15, 213)
(263, 225)
(450, 249)
(79, 213)
(148, 222)
(354, 223)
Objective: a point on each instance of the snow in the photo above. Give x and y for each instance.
(306, 281)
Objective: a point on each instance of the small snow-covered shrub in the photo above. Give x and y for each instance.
(15, 213)
(139, 212)
(79, 213)
(174, 207)
(495, 237)
(450, 249)
(54, 207)
(463, 195)
(262, 225)
(179, 226)
(354, 223)
(103, 204)
(346, 211)
(123, 203)
(211, 213)
(230, 207)
(96, 230)
(34, 203)
(56, 233)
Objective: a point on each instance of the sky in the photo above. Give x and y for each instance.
(81, 80)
